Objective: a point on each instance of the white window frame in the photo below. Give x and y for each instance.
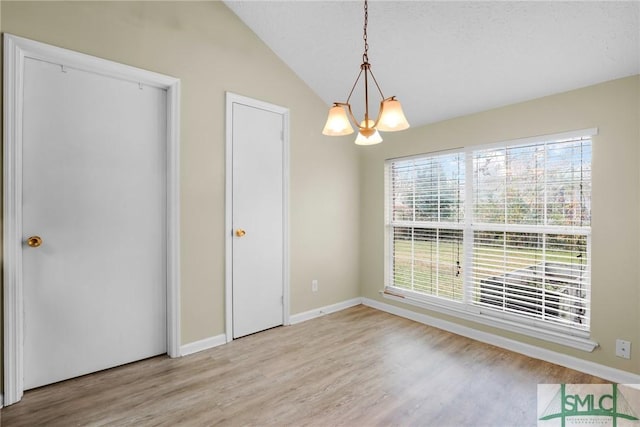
(559, 334)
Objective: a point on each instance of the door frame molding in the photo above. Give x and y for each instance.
(232, 98)
(16, 50)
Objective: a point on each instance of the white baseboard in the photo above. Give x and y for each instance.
(602, 371)
(221, 339)
(1, 401)
(312, 314)
(207, 343)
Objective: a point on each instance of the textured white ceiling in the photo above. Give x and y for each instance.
(450, 58)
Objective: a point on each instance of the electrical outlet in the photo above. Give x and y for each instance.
(314, 285)
(623, 349)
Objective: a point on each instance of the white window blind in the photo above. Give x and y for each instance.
(428, 212)
(512, 240)
(531, 227)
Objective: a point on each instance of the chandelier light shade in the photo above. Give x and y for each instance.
(337, 122)
(373, 138)
(390, 118)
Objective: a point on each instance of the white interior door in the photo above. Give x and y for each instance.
(94, 190)
(258, 218)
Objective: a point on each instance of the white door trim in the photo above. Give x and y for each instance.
(232, 98)
(16, 49)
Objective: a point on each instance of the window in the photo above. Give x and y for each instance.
(428, 223)
(499, 232)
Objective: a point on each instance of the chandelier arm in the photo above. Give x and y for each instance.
(354, 86)
(375, 125)
(366, 93)
(376, 82)
(352, 117)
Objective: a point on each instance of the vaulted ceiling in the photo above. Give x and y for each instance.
(446, 59)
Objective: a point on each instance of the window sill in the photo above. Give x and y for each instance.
(573, 341)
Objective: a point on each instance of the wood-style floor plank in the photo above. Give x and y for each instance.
(358, 367)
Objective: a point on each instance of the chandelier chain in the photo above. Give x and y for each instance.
(365, 56)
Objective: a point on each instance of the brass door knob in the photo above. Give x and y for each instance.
(240, 232)
(34, 241)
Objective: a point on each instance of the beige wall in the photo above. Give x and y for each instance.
(211, 51)
(613, 108)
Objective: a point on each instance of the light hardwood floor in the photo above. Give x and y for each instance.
(358, 367)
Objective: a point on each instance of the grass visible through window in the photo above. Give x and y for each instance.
(431, 267)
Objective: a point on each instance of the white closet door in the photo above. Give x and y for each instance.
(258, 191)
(94, 191)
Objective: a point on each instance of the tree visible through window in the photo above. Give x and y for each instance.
(503, 229)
